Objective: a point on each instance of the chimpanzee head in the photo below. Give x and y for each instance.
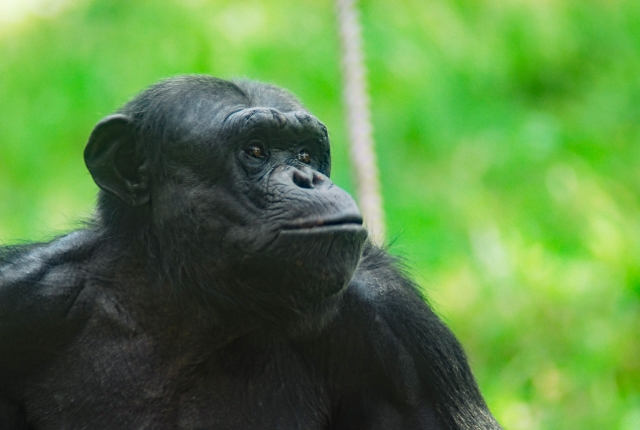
(225, 185)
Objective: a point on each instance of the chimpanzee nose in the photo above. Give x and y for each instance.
(305, 177)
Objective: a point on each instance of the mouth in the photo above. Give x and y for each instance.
(341, 221)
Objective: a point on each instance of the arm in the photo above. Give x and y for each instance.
(413, 344)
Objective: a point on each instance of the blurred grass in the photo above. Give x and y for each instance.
(508, 141)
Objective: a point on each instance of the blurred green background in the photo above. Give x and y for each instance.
(508, 138)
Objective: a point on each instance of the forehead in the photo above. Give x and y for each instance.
(196, 100)
(191, 115)
(202, 105)
(258, 94)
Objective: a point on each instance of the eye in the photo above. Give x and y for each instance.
(255, 149)
(304, 157)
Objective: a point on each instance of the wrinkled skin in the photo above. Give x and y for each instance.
(225, 283)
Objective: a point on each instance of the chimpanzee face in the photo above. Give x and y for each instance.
(249, 186)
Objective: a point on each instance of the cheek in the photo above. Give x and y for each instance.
(190, 206)
(168, 204)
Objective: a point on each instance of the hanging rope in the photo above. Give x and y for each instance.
(356, 99)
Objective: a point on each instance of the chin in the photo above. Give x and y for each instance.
(305, 265)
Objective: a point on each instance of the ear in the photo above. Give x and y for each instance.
(114, 162)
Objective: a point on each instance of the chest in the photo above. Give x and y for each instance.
(117, 375)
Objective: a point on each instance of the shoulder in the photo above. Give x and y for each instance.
(382, 298)
(45, 275)
(381, 285)
(419, 354)
(39, 286)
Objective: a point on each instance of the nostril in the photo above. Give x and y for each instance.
(303, 179)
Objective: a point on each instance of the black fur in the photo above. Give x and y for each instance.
(225, 283)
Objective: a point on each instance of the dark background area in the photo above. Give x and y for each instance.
(508, 137)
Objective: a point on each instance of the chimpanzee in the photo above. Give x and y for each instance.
(224, 283)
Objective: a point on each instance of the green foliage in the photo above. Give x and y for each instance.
(507, 135)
